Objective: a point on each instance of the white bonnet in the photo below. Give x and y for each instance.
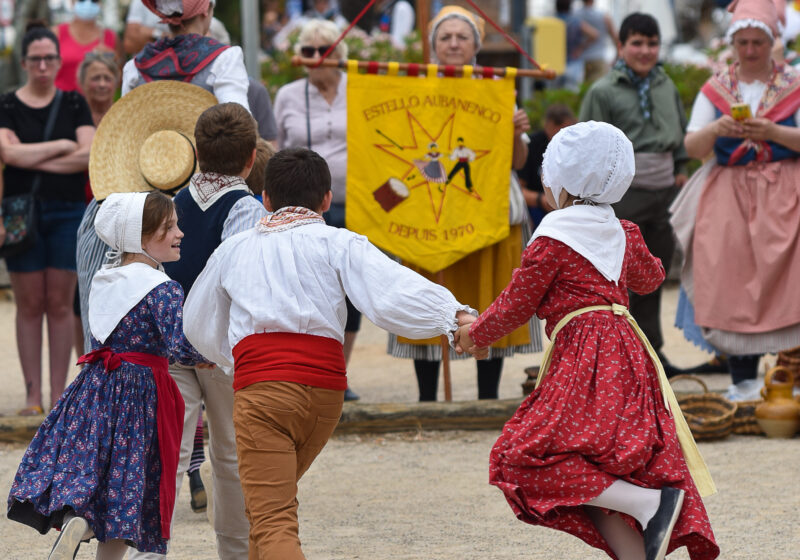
(590, 160)
(119, 221)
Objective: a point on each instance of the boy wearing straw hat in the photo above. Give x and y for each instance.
(281, 329)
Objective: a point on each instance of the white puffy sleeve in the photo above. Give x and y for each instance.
(230, 77)
(130, 75)
(206, 314)
(393, 296)
(702, 113)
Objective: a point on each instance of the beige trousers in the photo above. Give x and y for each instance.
(280, 429)
(215, 389)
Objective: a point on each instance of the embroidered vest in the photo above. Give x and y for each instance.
(203, 234)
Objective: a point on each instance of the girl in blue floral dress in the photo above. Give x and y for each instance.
(104, 461)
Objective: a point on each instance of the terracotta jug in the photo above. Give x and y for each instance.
(779, 414)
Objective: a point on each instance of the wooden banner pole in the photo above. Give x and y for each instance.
(423, 17)
(423, 68)
(448, 389)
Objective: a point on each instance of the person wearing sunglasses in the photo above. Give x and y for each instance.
(43, 277)
(79, 36)
(312, 113)
(188, 54)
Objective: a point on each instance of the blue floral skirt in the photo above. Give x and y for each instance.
(96, 453)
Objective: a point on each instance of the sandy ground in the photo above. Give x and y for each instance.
(425, 495)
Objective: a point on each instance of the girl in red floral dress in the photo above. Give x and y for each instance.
(600, 449)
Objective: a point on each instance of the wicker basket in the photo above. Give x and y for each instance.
(744, 419)
(709, 415)
(791, 359)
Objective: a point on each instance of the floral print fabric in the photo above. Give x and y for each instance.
(97, 450)
(598, 414)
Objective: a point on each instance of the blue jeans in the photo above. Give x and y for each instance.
(56, 238)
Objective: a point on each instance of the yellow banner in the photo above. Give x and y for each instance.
(428, 164)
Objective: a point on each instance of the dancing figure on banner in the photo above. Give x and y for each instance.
(463, 156)
(430, 166)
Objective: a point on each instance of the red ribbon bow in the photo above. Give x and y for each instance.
(111, 359)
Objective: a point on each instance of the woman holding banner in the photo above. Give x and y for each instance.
(455, 38)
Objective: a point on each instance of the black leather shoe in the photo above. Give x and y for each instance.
(659, 528)
(350, 395)
(199, 500)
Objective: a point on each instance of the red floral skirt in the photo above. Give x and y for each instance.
(598, 416)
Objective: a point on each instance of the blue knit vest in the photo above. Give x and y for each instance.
(202, 234)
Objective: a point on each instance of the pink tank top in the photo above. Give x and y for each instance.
(72, 54)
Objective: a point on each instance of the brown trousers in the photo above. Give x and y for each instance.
(280, 429)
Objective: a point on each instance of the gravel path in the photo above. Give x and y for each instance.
(425, 495)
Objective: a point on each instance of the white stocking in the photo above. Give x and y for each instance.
(639, 503)
(113, 549)
(626, 543)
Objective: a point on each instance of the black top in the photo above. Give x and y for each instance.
(531, 172)
(28, 124)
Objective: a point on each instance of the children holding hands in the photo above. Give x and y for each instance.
(600, 448)
(270, 305)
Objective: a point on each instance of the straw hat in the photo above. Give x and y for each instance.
(146, 140)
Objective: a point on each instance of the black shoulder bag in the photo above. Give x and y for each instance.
(19, 211)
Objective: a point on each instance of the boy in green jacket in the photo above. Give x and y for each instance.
(638, 97)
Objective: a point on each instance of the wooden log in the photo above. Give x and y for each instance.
(397, 417)
(19, 429)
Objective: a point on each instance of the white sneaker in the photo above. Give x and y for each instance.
(69, 539)
(747, 390)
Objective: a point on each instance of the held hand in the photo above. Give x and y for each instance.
(729, 127)
(479, 353)
(205, 366)
(464, 343)
(521, 122)
(461, 339)
(680, 180)
(465, 318)
(758, 129)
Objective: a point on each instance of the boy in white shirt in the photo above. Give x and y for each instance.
(271, 304)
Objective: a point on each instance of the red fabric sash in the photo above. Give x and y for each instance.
(169, 419)
(299, 358)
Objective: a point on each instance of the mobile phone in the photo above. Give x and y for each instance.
(740, 111)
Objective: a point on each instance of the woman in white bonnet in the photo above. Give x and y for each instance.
(104, 461)
(594, 450)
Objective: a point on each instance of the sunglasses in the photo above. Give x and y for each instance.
(49, 59)
(308, 52)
